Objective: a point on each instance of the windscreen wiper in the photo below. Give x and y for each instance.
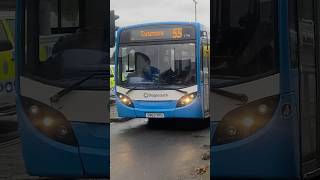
(168, 88)
(158, 87)
(179, 90)
(243, 98)
(55, 98)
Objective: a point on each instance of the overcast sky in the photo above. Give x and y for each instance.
(143, 11)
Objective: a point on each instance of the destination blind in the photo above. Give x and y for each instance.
(158, 34)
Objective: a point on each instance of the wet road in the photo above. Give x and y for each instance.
(170, 151)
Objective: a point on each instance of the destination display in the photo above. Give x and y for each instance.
(158, 33)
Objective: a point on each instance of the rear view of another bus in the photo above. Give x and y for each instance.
(162, 71)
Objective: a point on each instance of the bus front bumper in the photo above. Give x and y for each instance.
(167, 108)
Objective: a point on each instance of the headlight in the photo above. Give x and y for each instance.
(49, 121)
(245, 121)
(125, 100)
(187, 99)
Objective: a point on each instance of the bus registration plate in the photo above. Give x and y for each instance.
(154, 115)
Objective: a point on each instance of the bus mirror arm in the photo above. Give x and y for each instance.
(243, 98)
(131, 89)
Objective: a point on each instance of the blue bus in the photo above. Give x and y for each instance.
(162, 71)
(62, 87)
(265, 119)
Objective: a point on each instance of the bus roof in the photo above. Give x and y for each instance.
(162, 23)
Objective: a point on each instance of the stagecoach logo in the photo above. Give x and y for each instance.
(155, 95)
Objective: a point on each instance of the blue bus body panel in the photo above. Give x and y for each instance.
(94, 143)
(92, 134)
(167, 107)
(125, 111)
(44, 156)
(95, 162)
(269, 153)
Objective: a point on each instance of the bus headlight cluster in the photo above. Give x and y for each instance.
(49, 121)
(245, 121)
(187, 99)
(125, 100)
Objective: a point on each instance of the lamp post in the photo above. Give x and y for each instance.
(195, 9)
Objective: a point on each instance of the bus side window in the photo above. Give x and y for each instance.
(202, 61)
(131, 61)
(127, 63)
(206, 63)
(293, 34)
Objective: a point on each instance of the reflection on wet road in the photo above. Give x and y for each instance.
(171, 150)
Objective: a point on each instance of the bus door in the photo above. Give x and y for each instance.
(309, 87)
(205, 74)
